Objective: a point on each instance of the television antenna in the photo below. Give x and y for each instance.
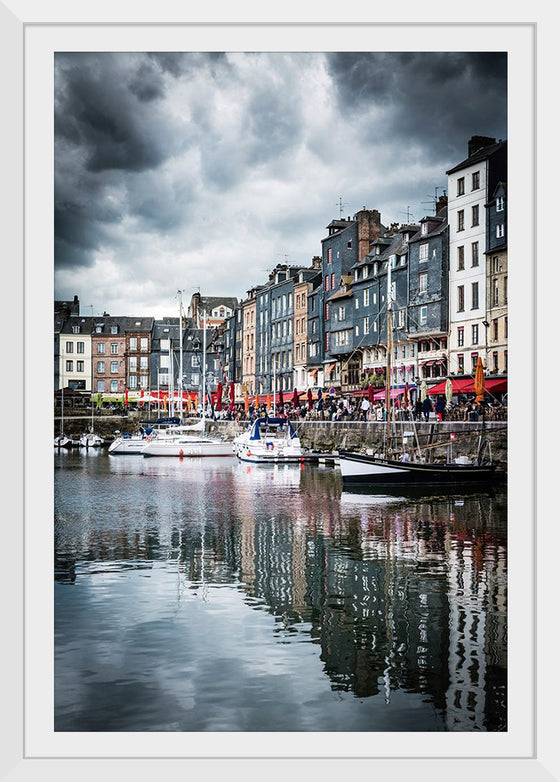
(341, 207)
(408, 214)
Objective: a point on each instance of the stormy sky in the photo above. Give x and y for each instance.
(199, 171)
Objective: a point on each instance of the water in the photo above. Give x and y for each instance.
(212, 595)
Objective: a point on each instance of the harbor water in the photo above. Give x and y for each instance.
(208, 594)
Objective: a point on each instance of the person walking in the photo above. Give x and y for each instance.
(427, 408)
(418, 410)
(440, 407)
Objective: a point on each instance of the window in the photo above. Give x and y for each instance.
(495, 292)
(495, 361)
(114, 348)
(357, 331)
(500, 231)
(496, 264)
(143, 362)
(505, 327)
(366, 297)
(460, 258)
(474, 292)
(461, 363)
(461, 220)
(495, 330)
(423, 316)
(460, 336)
(144, 382)
(423, 282)
(79, 366)
(505, 361)
(80, 347)
(114, 367)
(500, 204)
(332, 281)
(114, 386)
(98, 329)
(461, 186)
(133, 381)
(475, 214)
(366, 325)
(326, 311)
(69, 347)
(423, 252)
(114, 330)
(475, 334)
(133, 343)
(329, 255)
(365, 272)
(357, 303)
(505, 289)
(100, 386)
(474, 254)
(143, 343)
(101, 347)
(76, 329)
(69, 366)
(349, 244)
(460, 298)
(474, 359)
(424, 229)
(326, 286)
(476, 180)
(100, 367)
(327, 340)
(132, 364)
(342, 313)
(164, 344)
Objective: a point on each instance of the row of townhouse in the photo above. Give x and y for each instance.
(325, 325)
(110, 355)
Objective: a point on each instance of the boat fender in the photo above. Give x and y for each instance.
(181, 452)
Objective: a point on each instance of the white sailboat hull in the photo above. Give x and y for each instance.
(184, 447)
(127, 445)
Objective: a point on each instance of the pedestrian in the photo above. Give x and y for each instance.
(365, 409)
(418, 410)
(427, 408)
(440, 407)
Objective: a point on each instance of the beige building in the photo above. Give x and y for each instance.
(497, 313)
(301, 290)
(249, 310)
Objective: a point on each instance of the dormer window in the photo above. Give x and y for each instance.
(424, 229)
(114, 329)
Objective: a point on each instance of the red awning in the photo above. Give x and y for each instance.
(496, 385)
(460, 386)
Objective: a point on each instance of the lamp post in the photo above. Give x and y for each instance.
(486, 326)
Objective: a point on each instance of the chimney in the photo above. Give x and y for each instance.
(316, 262)
(441, 203)
(476, 143)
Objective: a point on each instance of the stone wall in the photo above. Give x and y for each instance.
(328, 436)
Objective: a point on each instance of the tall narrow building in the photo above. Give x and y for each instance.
(471, 184)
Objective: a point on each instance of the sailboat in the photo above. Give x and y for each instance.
(188, 440)
(61, 441)
(396, 466)
(90, 439)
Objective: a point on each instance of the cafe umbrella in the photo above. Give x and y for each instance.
(479, 382)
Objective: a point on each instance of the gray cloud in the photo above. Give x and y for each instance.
(216, 165)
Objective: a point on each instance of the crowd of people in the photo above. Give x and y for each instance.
(353, 409)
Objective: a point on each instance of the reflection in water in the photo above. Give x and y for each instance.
(216, 595)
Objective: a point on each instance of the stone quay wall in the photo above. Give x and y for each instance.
(324, 437)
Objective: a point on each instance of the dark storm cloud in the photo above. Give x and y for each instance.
(433, 99)
(104, 106)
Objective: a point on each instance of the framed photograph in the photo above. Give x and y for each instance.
(156, 154)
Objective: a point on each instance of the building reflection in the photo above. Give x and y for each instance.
(404, 595)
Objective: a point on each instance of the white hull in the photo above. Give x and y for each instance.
(127, 445)
(183, 447)
(91, 441)
(62, 442)
(269, 450)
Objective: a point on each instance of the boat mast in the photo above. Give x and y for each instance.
(204, 372)
(180, 355)
(171, 385)
(388, 359)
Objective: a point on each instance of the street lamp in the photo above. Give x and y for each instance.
(486, 325)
